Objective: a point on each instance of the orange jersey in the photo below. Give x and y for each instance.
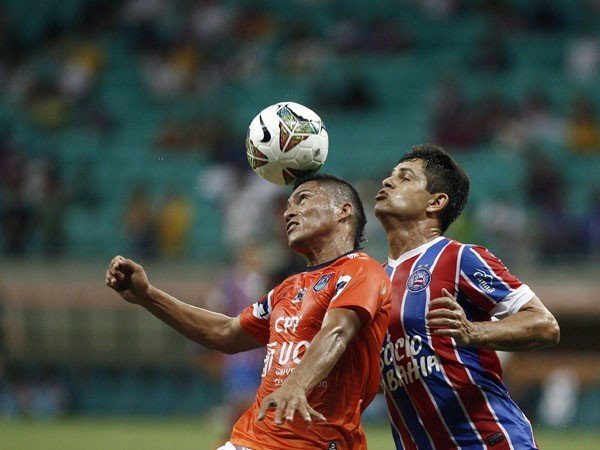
(286, 320)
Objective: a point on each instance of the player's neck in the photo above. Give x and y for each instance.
(329, 251)
(408, 235)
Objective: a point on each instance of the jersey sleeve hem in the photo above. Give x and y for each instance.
(513, 302)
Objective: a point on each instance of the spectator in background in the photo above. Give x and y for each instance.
(591, 223)
(17, 220)
(546, 16)
(452, 120)
(80, 70)
(557, 234)
(534, 122)
(174, 221)
(583, 58)
(52, 218)
(583, 128)
(140, 224)
(504, 222)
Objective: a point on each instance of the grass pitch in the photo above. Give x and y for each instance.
(186, 434)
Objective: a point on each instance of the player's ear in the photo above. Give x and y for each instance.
(345, 212)
(437, 202)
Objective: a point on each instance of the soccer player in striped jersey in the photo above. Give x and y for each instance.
(322, 328)
(453, 306)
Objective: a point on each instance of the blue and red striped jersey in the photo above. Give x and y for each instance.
(442, 395)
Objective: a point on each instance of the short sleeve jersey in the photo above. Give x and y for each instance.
(286, 320)
(440, 394)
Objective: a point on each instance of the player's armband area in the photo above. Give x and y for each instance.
(255, 319)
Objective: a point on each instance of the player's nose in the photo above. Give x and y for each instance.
(387, 183)
(289, 214)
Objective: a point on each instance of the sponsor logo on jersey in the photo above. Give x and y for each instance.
(418, 280)
(285, 324)
(299, 295)
(485, 280)
(340, 285)
(319, 285)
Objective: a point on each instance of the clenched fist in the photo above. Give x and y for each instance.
(129, 279)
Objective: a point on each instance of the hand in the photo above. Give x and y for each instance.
(447, 318)
(128, 279)
(288, 399)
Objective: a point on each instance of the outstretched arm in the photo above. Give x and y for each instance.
(340, 325)
(210, 329)
(531, 328)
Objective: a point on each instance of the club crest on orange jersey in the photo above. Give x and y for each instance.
(418, 280)
(319, 285)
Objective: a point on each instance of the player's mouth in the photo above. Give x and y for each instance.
(381, 195)
(290, 226)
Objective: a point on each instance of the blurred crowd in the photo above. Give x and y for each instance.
(55, 76)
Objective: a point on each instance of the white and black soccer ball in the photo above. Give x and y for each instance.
(286, 141)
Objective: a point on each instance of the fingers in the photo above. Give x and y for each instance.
(279, 412)
(290, 410)
(316, 415)
(449, 332)
(443, 313)
(443, 302)
(443, 323)
(447, 293)
(264, 407)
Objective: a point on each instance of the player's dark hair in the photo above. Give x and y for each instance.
(445, 175)
(344, 192)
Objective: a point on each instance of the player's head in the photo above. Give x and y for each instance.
(426, 184)
(323, 205)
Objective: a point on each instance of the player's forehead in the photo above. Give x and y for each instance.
(411, 166)
(311, 187)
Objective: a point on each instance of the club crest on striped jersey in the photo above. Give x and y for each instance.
(319, 285)
(418, 280)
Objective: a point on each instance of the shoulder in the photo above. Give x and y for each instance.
(360, 261)
(478, 253)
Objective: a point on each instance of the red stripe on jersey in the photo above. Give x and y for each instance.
(491, 363)
(498, 268)
(474, 402)
(417, 392)
(398, 422)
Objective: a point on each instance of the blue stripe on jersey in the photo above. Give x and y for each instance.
(416, 307)
(407, 410)
(467, 306)
(397, 440)
(484, 280)
(509, 415)
(389, 270)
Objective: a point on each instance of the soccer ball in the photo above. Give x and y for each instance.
(285, 141)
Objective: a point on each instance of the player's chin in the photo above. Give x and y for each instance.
(297, 243)
(381, 209)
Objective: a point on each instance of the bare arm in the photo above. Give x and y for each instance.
(340, 325)
(210, 329)
(531, 328)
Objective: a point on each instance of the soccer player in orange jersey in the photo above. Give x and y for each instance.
(322, 328)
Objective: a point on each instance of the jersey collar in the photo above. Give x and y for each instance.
(415, 251)
(327, 263)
